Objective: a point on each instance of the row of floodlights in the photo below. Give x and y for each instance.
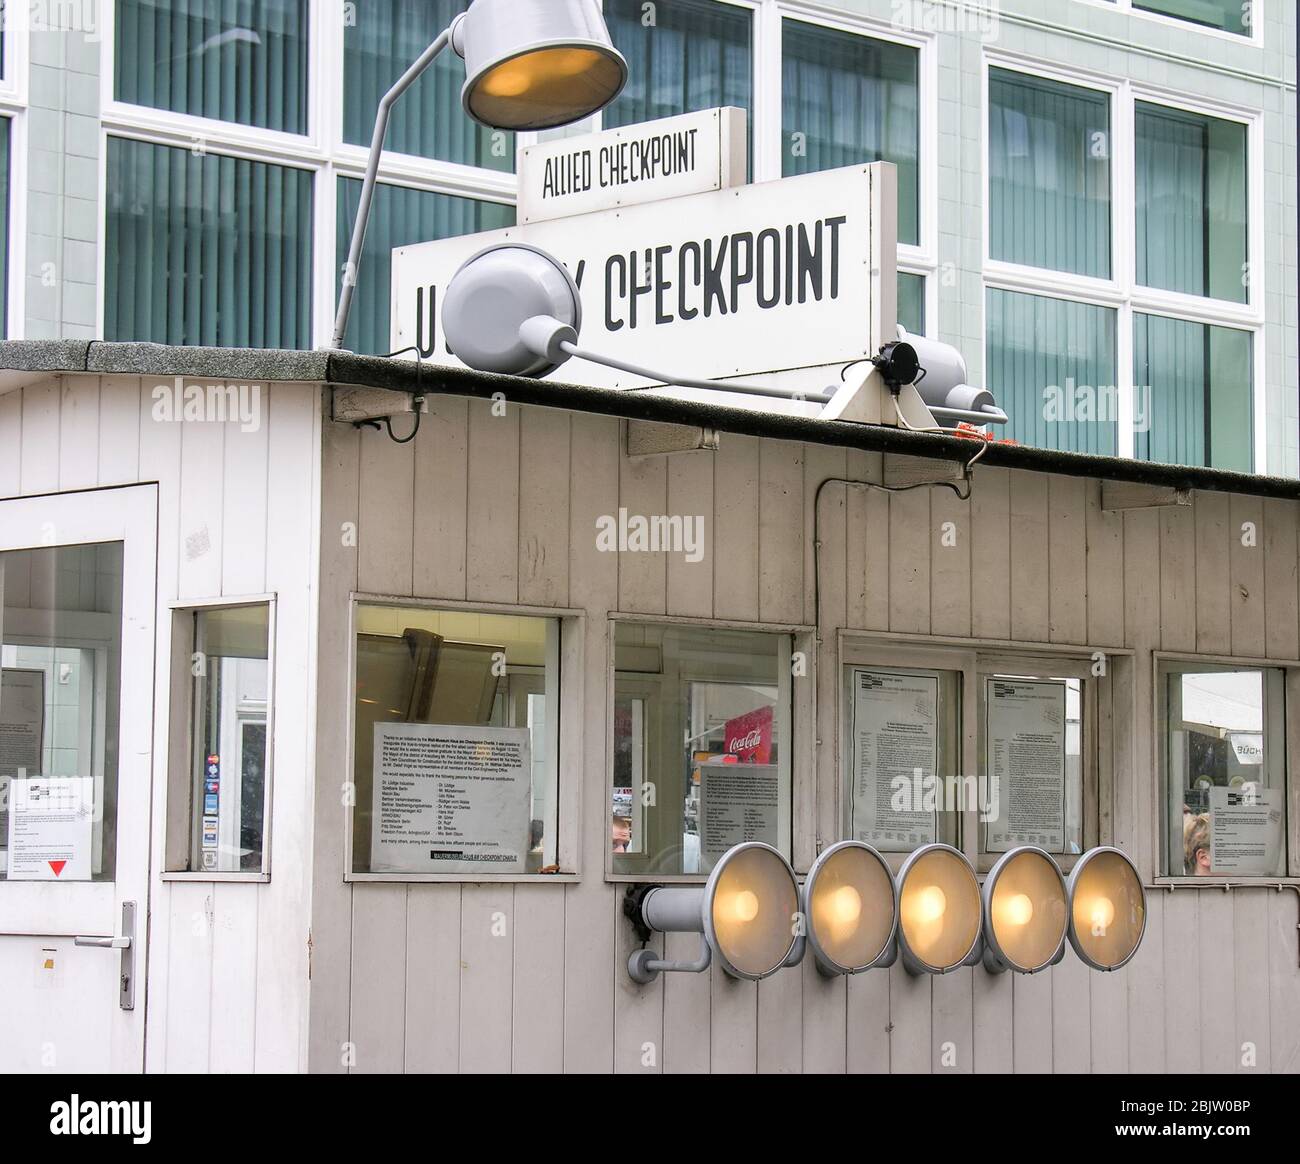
(755, 917)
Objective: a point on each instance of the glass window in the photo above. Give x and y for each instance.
(1193, 395)
(380, 41)
(848, 99)
(244, 62)
(457, 742)
(1224, 772)
(911, 302)
(60, 674)
(1049, 174)
(902, 731)
(1052, 365)
(206, 249)
(1032, 763)
(701, 745)
(1226, 15)
(400, 216)
(1191, 203)
(218, 788)
(4, 227)
(682, 56)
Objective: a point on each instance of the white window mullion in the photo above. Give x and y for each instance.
(767, 162)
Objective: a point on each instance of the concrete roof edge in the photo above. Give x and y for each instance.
(346, 368)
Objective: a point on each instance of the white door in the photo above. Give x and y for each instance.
(77, 599)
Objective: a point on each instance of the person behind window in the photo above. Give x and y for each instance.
(1196, 844)
(622, 832)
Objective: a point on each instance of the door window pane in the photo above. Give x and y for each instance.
(849, 99)
(697, 54)
(1224, 773)
(1193, 396)
(701, 746)
(235, 60)
(206, 249)
(60, 676)
(1191, 203)
(457, 742)
(379, 43)
(1052, 365)
(1226, 15)
(217, 792)
(399, 216)
(1049, 174)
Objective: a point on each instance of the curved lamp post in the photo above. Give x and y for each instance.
(529, 64)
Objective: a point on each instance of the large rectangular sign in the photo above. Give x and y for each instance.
(647, 162)
(756, 279)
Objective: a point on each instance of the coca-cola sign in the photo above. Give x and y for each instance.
(748, 737)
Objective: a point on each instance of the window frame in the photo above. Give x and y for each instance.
(566, 744)
(1290, 669)
(1105, 720)
(802, 744)
(1122, 293)
(178, 750)
(1129, 9)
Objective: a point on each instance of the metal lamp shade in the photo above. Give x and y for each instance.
(537, 64)
(851, 905)
(1026, 912)
(939, 910)
(750, 905)
(1108, 914)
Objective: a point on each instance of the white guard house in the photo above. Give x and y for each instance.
(362, 741)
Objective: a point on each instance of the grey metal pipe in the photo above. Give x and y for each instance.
(400, 86)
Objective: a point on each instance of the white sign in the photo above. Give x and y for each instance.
(1245, 830)
(1025, 762)
(51, 821)
(22, 726)
(450, 799)
(740, 282)
(738, 803)
(895, 737)
(647, 162)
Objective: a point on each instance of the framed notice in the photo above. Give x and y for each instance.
(450, 799)
(1245, 830)
(738, 803)
(22, 734)
(1025, 763)
(895, 753)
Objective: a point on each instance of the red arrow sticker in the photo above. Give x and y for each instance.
(57, 866)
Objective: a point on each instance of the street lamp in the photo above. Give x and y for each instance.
(530, 64)
(851, 906)
(939, 911)
(1108, 914)
(747, 915)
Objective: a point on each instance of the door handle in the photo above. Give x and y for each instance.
(125, 942)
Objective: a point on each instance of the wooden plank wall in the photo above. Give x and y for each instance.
(503, 510)
(228, 963)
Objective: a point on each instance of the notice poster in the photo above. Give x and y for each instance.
(22, 727)
(1025, 745)
(51, 821)
(1245, 830)
(450, 799)
(738, 802)
(895, 751)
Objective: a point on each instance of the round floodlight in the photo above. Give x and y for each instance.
(938, 910)
(851, 907)
(1026, 912)
(1108, 909)
(536, 64)
(751, 903)
(497, 299)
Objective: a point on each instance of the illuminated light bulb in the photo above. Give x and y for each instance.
(845, 906)
(1018, 910)
(569, 62)
(744, 906)
(1102, 913)
(930, 904)
(506, 81)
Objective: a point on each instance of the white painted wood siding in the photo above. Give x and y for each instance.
(503, 510)
(228, 963)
